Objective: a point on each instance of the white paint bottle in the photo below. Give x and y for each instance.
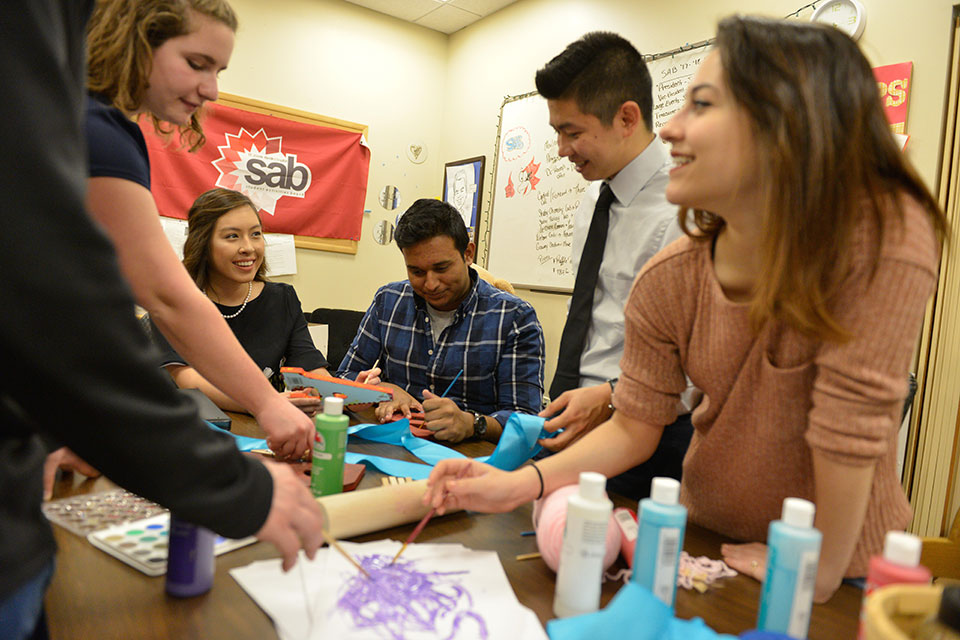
(584, 546)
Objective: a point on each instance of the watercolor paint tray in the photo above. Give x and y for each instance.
(143, 544)
(84, 514)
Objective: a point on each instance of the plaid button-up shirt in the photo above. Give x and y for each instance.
(494, 337)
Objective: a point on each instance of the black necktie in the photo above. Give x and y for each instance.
(574, 335)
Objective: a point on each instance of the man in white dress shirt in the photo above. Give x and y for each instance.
(598, 92)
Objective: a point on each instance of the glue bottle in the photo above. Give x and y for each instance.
(190, 561)
(899, 564)
(793, 554)
(663, 521)
(329, 448)
(584, 547)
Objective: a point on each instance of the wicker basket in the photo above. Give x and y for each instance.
(896, 611)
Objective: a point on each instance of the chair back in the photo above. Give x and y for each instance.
(342, 328)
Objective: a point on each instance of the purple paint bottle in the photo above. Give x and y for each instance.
(190, 559)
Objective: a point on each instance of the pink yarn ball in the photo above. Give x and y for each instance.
(549, 518)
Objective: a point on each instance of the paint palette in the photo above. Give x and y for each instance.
(85, 514)
(143, 544)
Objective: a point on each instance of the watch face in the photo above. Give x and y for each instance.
(845, 15)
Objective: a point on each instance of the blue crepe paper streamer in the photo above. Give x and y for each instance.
(517, 445)
(243, 442)
(633, 613)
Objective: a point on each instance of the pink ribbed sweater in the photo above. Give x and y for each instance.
(773, 396)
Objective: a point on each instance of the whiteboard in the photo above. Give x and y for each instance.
(535, 194)
(671, 75)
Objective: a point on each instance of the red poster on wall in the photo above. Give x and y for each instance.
(894, 84)
(305, 179)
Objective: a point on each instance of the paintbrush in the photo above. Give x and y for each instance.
(336, 545)
(417, 529)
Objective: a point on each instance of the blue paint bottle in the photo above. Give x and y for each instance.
(662, 522)
(792, 558)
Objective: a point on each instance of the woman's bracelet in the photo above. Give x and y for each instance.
(540, 476)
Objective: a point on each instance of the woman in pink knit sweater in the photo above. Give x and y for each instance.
(794, 304)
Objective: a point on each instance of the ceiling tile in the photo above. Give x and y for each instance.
(447, 19)
(409, 10)
(481, 7)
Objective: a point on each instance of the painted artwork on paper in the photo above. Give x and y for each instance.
(434, 591)
(401, 601)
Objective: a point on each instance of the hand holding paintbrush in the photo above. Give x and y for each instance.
(416, 530)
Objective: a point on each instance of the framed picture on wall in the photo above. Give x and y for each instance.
(462, 186)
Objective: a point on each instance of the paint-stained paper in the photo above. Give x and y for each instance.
(433, 591)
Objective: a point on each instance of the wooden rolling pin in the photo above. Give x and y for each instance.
(368, 510)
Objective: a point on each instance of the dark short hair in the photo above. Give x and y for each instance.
(427, 218)
(201, 221)
(600, 72)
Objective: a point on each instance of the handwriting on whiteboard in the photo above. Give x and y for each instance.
(670, 76)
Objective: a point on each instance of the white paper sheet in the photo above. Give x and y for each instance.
(281, 254)
(176, 232)
(434, 591)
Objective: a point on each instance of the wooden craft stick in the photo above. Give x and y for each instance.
(528, 556)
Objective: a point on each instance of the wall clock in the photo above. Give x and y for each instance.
(849, 16)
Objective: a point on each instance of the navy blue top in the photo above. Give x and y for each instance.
(115, 144)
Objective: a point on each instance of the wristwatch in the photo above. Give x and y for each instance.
(479, 425)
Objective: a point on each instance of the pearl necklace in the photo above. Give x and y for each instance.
(242, 306)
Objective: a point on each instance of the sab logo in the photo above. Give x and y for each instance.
(516, 142)
(281, 176)
(256, 165)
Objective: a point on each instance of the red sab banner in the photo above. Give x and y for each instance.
(305, 179)
(894, 84)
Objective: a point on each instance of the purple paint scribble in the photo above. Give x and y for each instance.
(398, 600)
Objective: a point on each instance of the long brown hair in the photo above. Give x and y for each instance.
(825, 149)
(201, 221)
(121, 38)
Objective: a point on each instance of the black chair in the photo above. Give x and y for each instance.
(342, 328)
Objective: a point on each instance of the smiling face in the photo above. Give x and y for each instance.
(714, 150)
(597, 150)
(437, 272)
(184, 71)
(236, 247)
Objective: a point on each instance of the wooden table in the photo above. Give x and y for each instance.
(96, 596)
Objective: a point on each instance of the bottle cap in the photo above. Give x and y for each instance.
(592, 485)
(902, 548)
(798, 512)
(949, 613)
(333, 406)
(665, 490)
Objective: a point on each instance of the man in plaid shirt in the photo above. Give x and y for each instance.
(443, 320)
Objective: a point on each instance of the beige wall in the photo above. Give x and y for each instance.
(339, 60)
(413, 84)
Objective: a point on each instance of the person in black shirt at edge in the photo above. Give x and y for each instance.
(103, 395)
